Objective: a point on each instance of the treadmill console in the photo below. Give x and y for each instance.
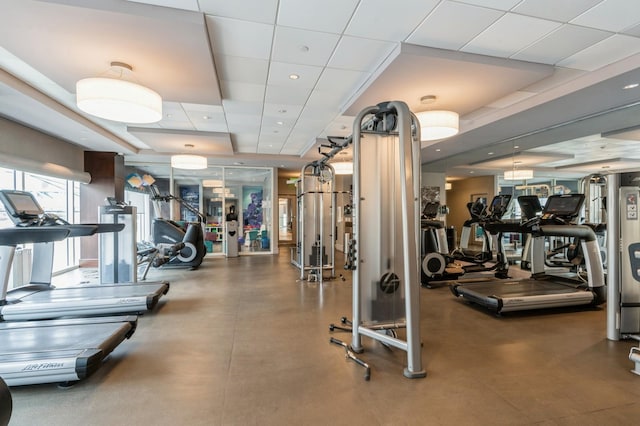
(566, 207)
(24, 210)
(530, 206)
(20, 206)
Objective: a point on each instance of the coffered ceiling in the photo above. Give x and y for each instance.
(545, 76)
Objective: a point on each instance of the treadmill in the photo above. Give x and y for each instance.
(53, 351)
(543, 291)
(39, 299)
(530, 208)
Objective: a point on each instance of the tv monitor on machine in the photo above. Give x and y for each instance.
(567, 205)
(20, 205)
(529, 206)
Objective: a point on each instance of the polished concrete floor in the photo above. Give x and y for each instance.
(242, 342)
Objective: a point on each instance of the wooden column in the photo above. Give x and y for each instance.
(107, 180)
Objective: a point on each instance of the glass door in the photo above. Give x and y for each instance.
(286, 219)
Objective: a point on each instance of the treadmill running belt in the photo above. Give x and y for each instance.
(505, 296)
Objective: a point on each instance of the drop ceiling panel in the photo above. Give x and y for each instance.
(173, 111)
(342, 81)
(562, 43)
(388, 20)
(610, 15)
(312, 124)
(174, 141)
(328, 15)
(360, 54)
(469, 21)
(243, 92)
(554, 10)
(233, 37)
(287, 95)
(298, 46)
(633, 31)
(510, 34)
(325, 98)
(202, 108)
(208, 122)
(268, 137)
(244, 70)
(249, 10)
(243, 122)
(610, 50)
(451, 76)
(279, 73)
(241, 107)
(282, 111)
(493, 4)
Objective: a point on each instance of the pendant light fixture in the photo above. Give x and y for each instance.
(117, 98)
(437, 124)
(515, 173)
(188, 161)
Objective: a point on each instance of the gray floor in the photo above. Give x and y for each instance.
(242, 342)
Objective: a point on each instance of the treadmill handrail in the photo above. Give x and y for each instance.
(15, 236)
(578, 231)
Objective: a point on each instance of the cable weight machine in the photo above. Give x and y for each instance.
(317, 200)
(384, 251)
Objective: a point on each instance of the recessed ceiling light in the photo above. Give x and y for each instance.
(631, 86)
(490, 153)
(294, 76)
(206, 117)
(169, 115)
(516, 147)
(471, 172)
(438, 150)
(279, 123)
(238, 163)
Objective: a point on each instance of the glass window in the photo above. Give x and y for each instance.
(56, 196)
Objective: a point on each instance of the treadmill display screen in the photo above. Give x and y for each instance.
(20, 204)
(529, 205)
(564, 205)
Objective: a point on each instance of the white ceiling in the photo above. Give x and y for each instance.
(543, 75)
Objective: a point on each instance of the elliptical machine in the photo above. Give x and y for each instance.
(168, 234)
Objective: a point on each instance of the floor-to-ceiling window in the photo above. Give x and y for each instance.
(57, 196)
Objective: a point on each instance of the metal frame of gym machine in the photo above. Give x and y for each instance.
(623, 266)
(316, 221)
(384, 251)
